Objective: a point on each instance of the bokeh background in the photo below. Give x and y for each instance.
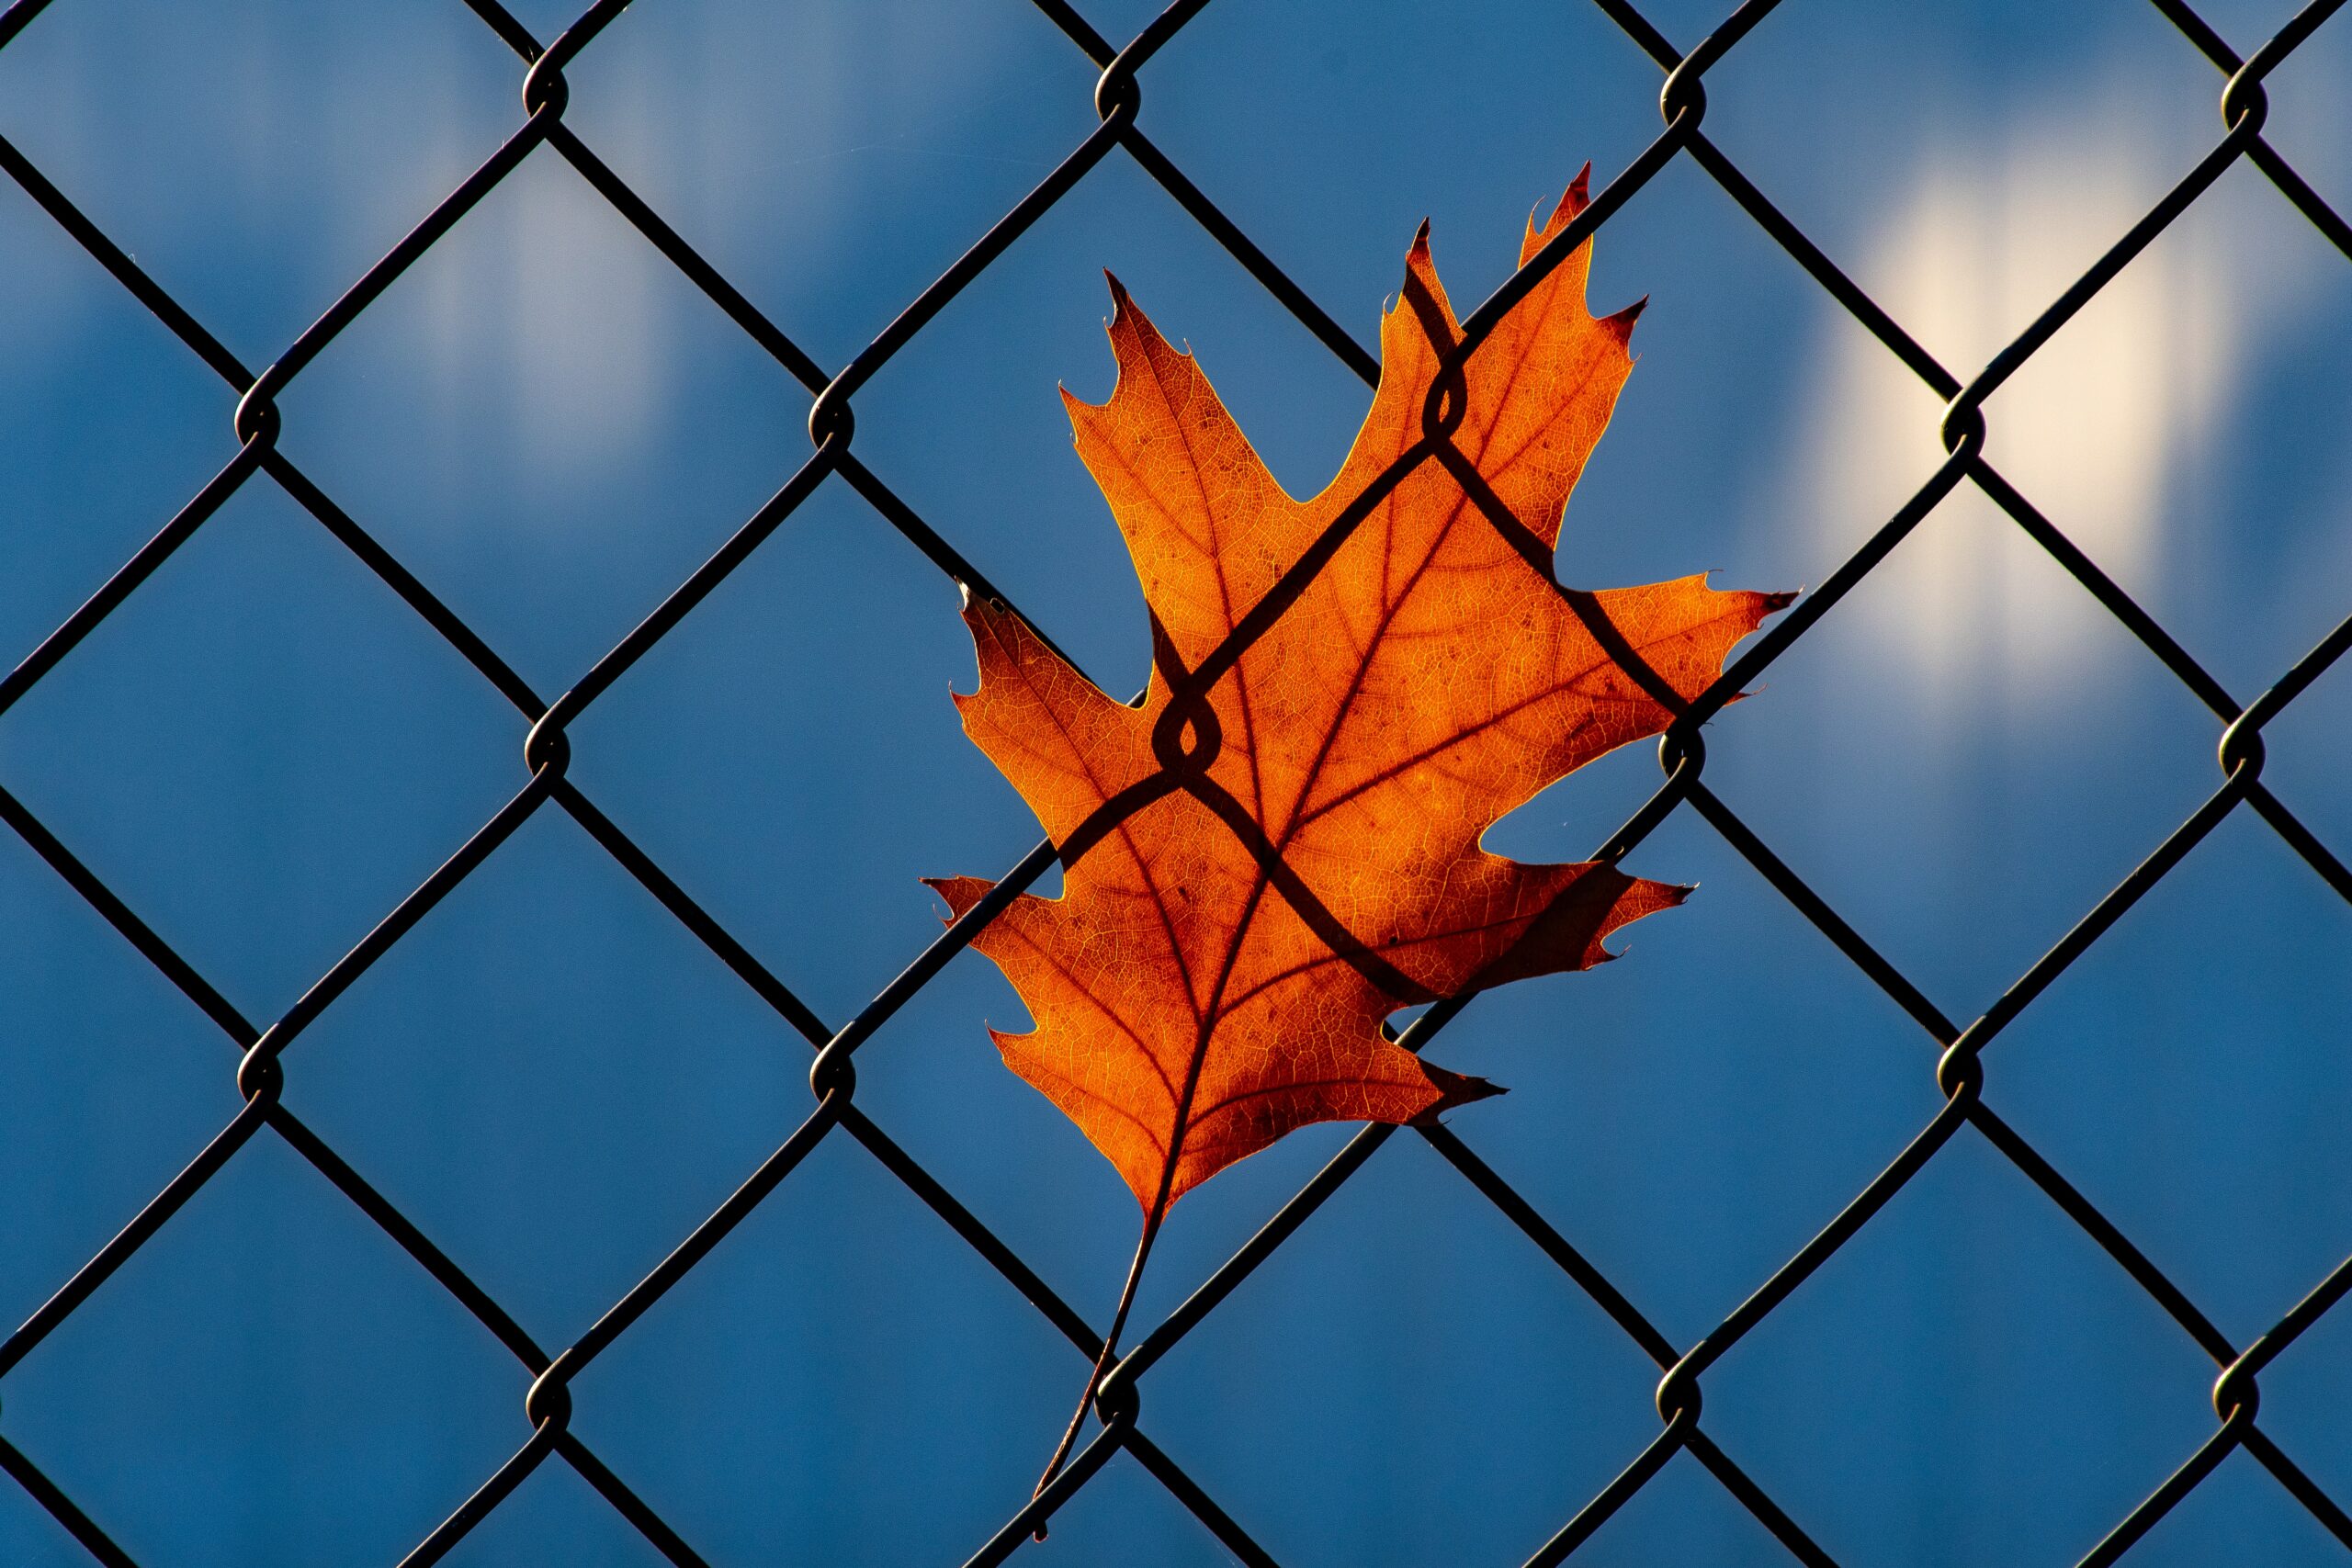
(263, 750)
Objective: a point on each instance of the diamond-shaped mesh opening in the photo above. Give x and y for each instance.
(545, 422)
(141, 1060)
(265, 1272)
(2160, 1035)
(1968, 687)
(1640, 1122)
(831, 162)
(860, 1394)
(2018, 1457)
(257, 189)
(246, 657)
(810, 690)
(1122, 1474)
(73, 508)
(467, 1073)
(1407, 1320)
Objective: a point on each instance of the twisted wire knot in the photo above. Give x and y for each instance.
(2236, 1396)
(544, 88)
(1960, 1071)
(1117, 95)
(1187, 736)
(2246, 104)
(1682, 101)
(548, 749)
(257, 418)
(259, 1075)
(1118, 1398)
(1962, 428)
(830, 421)
(1678, 1399)
(834, 1074)
(1682, 749)
(2241, 750)
(548, 1403)
(1448, 402)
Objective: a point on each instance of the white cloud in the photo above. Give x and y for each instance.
(555, 319)
(2101, 430)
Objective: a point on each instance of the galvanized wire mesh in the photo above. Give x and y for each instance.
(1959, 1070)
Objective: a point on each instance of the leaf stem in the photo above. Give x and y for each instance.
(1209, 1015)
(1110, 1349)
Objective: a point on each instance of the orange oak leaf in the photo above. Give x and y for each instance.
(1256, 881)
(1426, 682)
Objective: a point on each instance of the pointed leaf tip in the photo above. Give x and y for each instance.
(1456, 1090)
(1621, 325)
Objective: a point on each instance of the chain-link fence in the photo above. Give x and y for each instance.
(1958, 1069)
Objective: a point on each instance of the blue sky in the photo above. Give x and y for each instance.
(264, 750)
